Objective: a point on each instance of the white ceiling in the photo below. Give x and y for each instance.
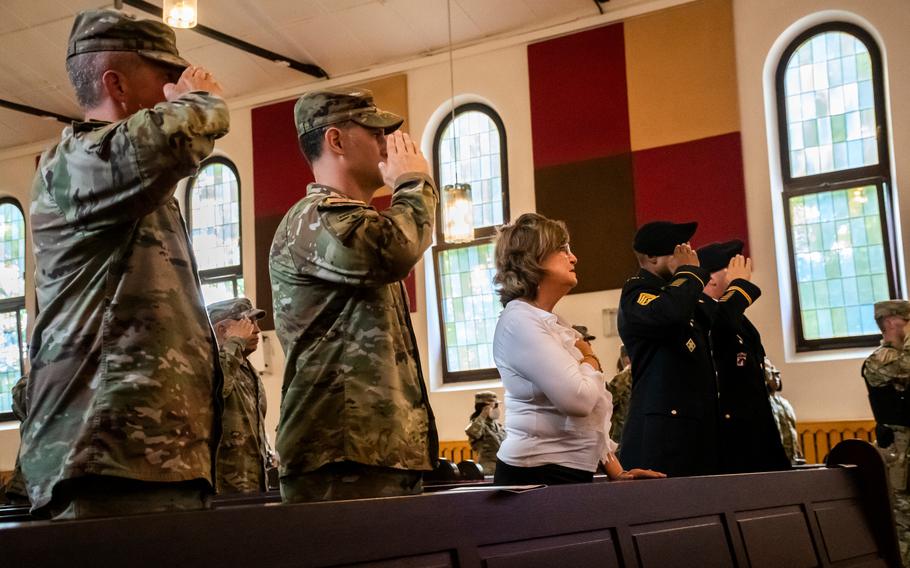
(341, 36)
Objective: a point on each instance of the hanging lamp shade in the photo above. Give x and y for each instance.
(180, 13)
(457, 213)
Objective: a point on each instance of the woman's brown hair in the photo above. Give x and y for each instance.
(520, 249)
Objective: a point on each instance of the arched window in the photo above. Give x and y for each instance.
(13, 347)
(836, 185)
(213, 216)
(467, 302)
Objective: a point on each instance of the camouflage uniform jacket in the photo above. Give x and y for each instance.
(15, 490)
(353, 387)
(485, 436)
(621, 389)
(786, 424)
(243, 452)
(123, 367)
(889, 365)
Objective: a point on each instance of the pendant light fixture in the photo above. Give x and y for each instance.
(180, 13)
(457, 208)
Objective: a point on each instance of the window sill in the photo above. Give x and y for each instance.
(851, 353)
(469, 385)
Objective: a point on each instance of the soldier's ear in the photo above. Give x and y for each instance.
(333, 140)
(114, 84)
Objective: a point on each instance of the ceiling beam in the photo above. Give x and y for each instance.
(308, 68)
(37, 111)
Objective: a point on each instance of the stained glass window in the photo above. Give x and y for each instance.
(836, 185)
(473, 145)
(830, 105)
(213, 201)
(479, 163)
(470, 306)
(13, 346)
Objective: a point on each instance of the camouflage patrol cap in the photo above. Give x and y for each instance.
(322, 108)
(583, 330)
(112, 30)
(900, 308)
(484, 397)
(659, 238)
(235, 309)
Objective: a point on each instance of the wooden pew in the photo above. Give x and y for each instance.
(826, 516)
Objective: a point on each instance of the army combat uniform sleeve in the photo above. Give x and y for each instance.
(231, 357)
(474, 430)
(889, 366)
(348, 242)
(651, 312)
(132, 166)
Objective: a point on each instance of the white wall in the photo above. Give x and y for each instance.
(819, 390)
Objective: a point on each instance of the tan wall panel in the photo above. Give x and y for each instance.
(391, 94)
(681, 74)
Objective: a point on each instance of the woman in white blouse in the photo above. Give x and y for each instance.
(558, 408)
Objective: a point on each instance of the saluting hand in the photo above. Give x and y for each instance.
(739, 267)
(683, 255)
(193, 78)
(242, 329)
(403, 157)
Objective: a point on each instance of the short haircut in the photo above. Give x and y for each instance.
(520, 249)
(313, 142)
(85, 71)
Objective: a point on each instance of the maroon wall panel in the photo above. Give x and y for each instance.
(579, 105)
(701, 180)
(280, 176)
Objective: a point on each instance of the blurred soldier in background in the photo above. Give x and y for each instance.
(887, 376)
(244, 451)
(484, 431)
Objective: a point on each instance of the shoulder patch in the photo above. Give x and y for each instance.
(644, 298)
(337, 200)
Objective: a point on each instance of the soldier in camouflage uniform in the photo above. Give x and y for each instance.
(355, 417)
(484, 432)
(783, 413)
(244, 451)
(15, 491)
(887, 376)
(122, 404)
(620, 388)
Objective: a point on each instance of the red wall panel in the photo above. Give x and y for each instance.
(701, 180)
(579, 104)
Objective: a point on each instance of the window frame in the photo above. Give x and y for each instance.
(482, 235)
(231, 273)
(878, 175)
(17, 306)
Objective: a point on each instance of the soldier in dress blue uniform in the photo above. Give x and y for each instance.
(664, 322)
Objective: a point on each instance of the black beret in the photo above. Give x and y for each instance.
(717, 256)
(659, 238)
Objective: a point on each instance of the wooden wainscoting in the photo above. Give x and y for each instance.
(816, 439)
(456, 451)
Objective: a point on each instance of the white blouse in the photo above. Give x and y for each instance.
(557, 408)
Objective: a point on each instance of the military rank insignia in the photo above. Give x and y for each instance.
(740, 359)
(644, 298)
(690, 345)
